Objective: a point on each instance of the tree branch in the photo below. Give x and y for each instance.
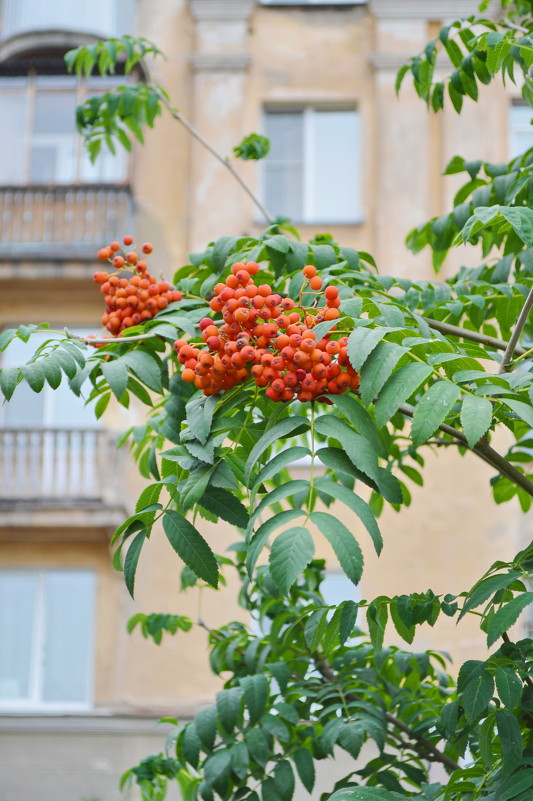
(327, 672)
(474, 336)
(106, 340)
(199, 138)
(485, 452)
(520, 323)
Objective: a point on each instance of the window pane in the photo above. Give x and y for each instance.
(13, 135)
(17, 622)
(107, 168)
(520, 130)
(283, 168)
(334, 179)
(67, 658)
(53, 158)
(337, 588)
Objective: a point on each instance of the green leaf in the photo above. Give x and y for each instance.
(191, 546)
(432, 409)
(240, 760)
(287, 489)
(351, 738)
(145, 367)
(486, 587)
(523, 410)
(228, 704)
(258, 745)
(279, 461)
(357, 505)
(52, 371)
(514, 785)
(255, 696)
(377, 615)
(116, 375)
(280, 430)
(9, 377)
(378, 368)
(476, 417)
(509, 686)
(191, 744)
(366, 794)
(284, 779)
(506, 616)
(291, 552)
(344, 544)
(347, 620)
(6, 336)
(477, 696)
(362, 342)
(200, 412)
(358, 448)
(305, 765)
(205, 722)
(225, 505)
(34, 375)
(398, 389)
(256, 544)
(101, 405)
(132, 559)
(252, 147)
(510, 739)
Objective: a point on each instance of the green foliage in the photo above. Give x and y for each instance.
(252, 147)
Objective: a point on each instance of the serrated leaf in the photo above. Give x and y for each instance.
(258, 745)
(9, 377)
(432, 409)
(506, 616)
(256, 544)
(515, 785)
(358, 448)
(509, 686)
(191, 744)
(343, 542)
(351, 738)
(523, 410)
(226, 506)
(510, 739)
(400, 386)
(362, 342)
(284, 779)
(199, 413)
(145, 367)
(476, 417)
(279, 493)
(378, 368)
(205, 722)
(240, 760)
(279, 461)
(357, 505)
(255, 696)
(291, 552)
(477, 696)
(116, 375)
(34, 375)
(52, 371)
(487, 587)
(228, 703)
(132, 559)
(280, 430)
(191, 546)
(305, 766)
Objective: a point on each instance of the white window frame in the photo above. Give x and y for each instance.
(34, 702)
(308, 111)
(313, 2)
(82, 89)
(515, 128)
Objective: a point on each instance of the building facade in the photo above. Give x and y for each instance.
(79, 698)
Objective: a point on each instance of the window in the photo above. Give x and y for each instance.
(312, 173)
(101, 17)
(520, 129)
(313, 2)
(46, 638)
(39, 143)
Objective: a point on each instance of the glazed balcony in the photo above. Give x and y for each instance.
(61, 222)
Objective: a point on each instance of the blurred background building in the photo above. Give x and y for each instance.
(79, 698)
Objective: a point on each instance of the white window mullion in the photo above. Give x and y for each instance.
(39, 645)
(308, 145)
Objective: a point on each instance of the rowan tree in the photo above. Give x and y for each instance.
(278, 349)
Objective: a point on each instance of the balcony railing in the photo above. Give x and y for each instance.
(61, 222)
(99, 17)
(67, 466)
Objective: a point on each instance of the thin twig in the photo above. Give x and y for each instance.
(485, 452)
(106, 340)
(520, 323)
(512, 26)
(327, 672)
(474, 336)
(181, 119)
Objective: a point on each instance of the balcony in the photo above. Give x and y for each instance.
(68, 475)
(61, 222)
(101, 18)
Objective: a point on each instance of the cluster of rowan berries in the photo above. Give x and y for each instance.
(269, 338)
(132, 295)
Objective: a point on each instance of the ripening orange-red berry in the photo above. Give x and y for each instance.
(127, 240)
(316, 282)
(147, 247)
(309, 271)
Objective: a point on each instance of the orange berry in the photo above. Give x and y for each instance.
(316, 282)
(147, 247)
(104, 254)
(128, 240)
(309, 271)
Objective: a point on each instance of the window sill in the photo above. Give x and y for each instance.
(356, 222)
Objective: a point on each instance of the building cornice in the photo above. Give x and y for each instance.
(422, 9)
(383, 60)
(221, 10)
(219, 62)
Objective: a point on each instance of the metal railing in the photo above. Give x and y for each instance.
(66, 465)
(61, 222)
